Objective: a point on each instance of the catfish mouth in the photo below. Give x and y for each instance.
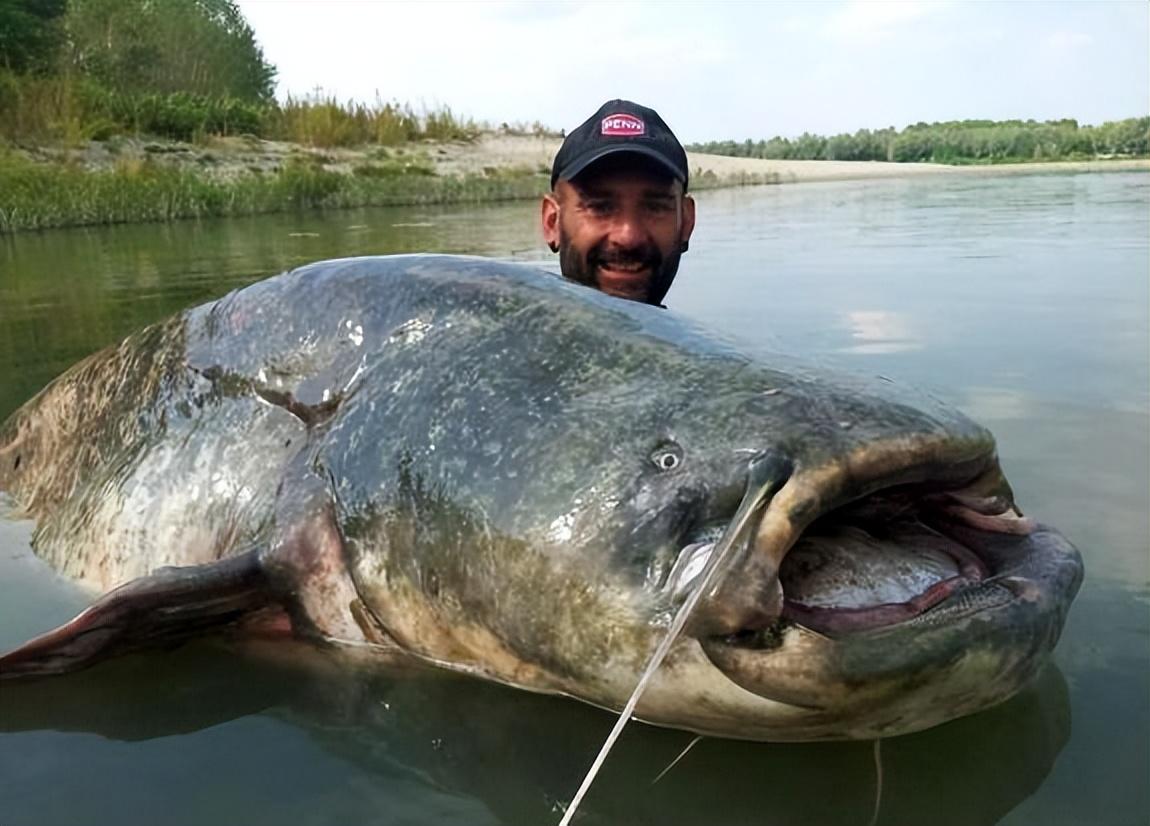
(886, 560)
(890, 557)
(875, 584)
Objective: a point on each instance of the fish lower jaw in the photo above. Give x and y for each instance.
(977, 645)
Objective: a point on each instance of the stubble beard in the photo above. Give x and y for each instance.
(584, 268)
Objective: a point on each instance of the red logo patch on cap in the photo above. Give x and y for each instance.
(623, 125)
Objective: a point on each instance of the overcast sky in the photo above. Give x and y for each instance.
(719, 70)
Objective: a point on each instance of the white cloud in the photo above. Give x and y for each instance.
(869, 20)
(1068, 41)
(506, 61)
(988, 36)
(718, 70)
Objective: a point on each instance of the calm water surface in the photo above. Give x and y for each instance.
(1024, 300)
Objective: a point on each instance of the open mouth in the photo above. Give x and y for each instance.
(856, 582)
(887, 558)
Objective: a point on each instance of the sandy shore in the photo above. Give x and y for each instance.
(525, 152)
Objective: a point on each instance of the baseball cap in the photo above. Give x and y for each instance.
(620, 126)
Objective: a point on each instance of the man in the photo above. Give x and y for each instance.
(618, 212)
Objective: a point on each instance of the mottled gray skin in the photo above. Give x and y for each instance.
(466, 461)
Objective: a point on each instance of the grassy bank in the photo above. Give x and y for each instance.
(177, 166)
(39, 196)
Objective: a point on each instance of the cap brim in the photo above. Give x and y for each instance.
(580, 164)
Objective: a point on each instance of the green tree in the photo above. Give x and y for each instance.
(30, 34)
(203, 47)
(965, 141)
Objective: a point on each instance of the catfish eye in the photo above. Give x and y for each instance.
(667, 457)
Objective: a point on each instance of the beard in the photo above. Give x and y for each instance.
(584, 268)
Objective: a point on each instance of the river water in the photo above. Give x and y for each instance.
(1023, 300)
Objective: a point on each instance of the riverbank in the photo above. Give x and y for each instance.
(131, 180)
(710, 171)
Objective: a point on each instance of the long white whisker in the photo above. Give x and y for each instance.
(878, 782)
(764, 475)
(682, 754)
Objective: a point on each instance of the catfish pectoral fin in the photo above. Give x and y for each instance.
(163, 608)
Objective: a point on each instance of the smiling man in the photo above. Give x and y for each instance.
(618, 212)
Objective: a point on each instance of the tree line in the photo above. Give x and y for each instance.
(79, 70)
(200, 47)
(956, 142)
(76, 70)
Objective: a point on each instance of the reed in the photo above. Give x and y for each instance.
(72, 109)
(321, 120)
(39, 109)
(69, 110)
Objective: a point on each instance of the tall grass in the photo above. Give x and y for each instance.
(177, 115)
(34, 108)
(72, 109)
(323, 121)
(39, 196)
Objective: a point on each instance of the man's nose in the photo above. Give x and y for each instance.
(629, 229)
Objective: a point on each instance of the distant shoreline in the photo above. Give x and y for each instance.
(707, 171)
(136, 180)
(797, 172)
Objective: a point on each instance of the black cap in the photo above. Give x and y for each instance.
(620, 126)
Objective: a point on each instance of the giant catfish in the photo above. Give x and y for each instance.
(481, 466)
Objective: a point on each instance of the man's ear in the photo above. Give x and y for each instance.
(688, 222)
(549, 213)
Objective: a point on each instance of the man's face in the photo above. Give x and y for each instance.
(620, 226)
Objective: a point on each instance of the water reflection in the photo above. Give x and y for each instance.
(993, 404)
(517, 756)
(880, 331)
